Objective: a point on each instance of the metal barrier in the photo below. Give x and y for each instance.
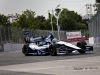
(12, 38)
(15, 35)
(10, 35)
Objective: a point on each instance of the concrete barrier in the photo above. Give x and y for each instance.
(91, 40)
(12, 47)
(1, 48)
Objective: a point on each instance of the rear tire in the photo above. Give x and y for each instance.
(82, 45)
(52, 50)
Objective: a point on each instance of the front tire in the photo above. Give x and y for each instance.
(52, 50)
(25, 50)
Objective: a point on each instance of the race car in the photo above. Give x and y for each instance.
(50, 45)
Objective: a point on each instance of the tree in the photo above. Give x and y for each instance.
(28, 20)
(97, 1)
(41, 18)
(4, 27)
(4, 21)
(39, 22)
(97, 5)
(69, 20)
(25, 20)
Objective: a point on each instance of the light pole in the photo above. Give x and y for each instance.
(58, 28)
(51, 20)
(52, 17)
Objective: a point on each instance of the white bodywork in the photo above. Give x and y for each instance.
(68, 44)
(33, 46)
(36, 47)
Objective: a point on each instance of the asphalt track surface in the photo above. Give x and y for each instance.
(16, 57)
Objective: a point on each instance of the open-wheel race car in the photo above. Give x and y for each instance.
(49, 45)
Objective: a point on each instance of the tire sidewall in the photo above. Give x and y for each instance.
(54, 51)
(25, 50)
(82, 44)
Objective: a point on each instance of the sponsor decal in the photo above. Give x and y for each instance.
(71, 35)
(75, 39)
(26, 32)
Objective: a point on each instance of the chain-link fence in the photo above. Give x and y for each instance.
(11, 35)
(15, 34)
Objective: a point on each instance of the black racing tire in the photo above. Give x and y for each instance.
(25, 50)
(53, 50)
(82, 45)
(81, 51)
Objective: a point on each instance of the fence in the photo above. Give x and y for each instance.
(15, 34)
(94, 24)
(10, 35)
